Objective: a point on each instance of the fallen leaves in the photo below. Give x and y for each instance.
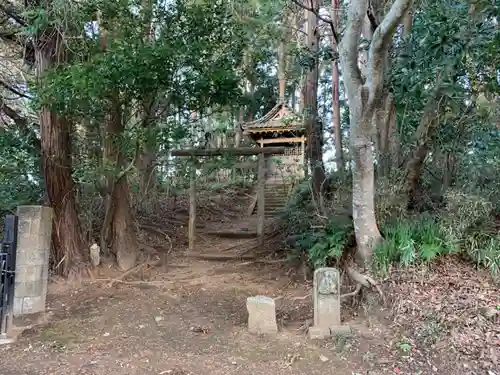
(451, 299)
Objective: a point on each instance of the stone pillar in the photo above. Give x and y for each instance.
(326, 304)
(32, 259)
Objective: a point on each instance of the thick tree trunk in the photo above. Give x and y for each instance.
(119, 223)
(363, 190)
(364, 102)
(118, 229)
(67, 236)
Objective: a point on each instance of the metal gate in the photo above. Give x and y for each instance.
(8, 247)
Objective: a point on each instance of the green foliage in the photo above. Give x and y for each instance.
(20, 180)
(184, 63)
(411, 241)
(457, 51)
(326, 246)
(467, 226)
(472, 222)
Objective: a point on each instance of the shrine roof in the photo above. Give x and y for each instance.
(274, 119)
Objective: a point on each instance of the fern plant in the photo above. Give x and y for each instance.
(328, 245)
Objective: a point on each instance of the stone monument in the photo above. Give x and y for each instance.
(261, 315)
(326, 296)
(32, 259)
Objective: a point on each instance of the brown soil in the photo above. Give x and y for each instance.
(189, 317)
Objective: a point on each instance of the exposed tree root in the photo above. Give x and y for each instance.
(353, 293)
(79, 272)
(134, 270)
(220, 257)
(363, 280)
(263, 261)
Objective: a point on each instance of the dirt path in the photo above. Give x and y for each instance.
(192, 321)
(190, 318)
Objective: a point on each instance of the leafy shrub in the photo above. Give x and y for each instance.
(326, 246)
(470, 221)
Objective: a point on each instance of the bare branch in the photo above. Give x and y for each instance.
(19, 120)
(9, 10)
(320, 17)
(13, 90)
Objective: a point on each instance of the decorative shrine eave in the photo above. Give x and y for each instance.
(279, 119)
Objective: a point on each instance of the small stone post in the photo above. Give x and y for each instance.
(326, 303)
(261, 315)
(32, 259)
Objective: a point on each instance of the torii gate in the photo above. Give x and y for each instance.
(242, 151)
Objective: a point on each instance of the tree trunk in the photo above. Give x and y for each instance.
(448, 171)
(387, 137)
(302, 94)
(313, 127)
(424, 133)
(293, 99)
(146, 162)
(147, 167)
(337, 131)
(119, 220)
(281, 72)
(67, 236)
(363, 96)
(118, 229)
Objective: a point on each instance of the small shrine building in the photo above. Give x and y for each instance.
(280, 127)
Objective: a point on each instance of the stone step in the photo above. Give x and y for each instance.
(275, 201)
(276, 188)
(274, 207)
(275, 197)
(276, 192)
(271, 195)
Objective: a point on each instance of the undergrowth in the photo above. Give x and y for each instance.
(411, 241)
(464, 225)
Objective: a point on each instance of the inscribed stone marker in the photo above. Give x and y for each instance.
(326, 302)
(261, 315)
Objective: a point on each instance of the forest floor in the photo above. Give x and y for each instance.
(189, 317)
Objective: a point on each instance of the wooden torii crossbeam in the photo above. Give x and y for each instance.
(241, 151)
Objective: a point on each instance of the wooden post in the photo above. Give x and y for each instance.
(303, 155)
(192, 207)
(260, 199)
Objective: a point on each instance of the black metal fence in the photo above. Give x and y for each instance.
(8, 247)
